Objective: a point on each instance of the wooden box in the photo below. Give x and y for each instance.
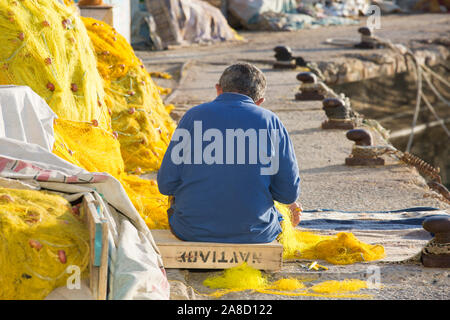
(208, 255)
(114, 12)
(103, 13)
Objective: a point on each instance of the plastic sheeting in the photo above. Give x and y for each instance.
(248, 11)
(348, 8)
(286, 15)
(20, 110)
(410, 218)
(180, 22)
(26, 157)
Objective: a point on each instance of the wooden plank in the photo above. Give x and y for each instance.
(103, 269)
(210, 255)
(93, 271)
(98, 241)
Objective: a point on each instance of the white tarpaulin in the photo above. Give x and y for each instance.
(181, 22)
(26, 139)
(24, 116)
(287, 15)
(248, 11)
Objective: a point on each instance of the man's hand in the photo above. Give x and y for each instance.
(296, 210)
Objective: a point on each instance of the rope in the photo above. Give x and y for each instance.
(437, 76)
(337, 113)
(441, 121)
(420, 94)
(368, 152)
(433, 88)
(418, 100)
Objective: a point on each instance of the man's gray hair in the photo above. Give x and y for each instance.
(244, 78)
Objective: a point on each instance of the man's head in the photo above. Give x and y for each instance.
(243, 78)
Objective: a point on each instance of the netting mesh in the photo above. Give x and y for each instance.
(139, 117)
(52, 44)
(45, 46)
(97, 150)
(342, 248)
(145, 196)
(88, 147)
(334, 286)
(40, 236)
(244, 277)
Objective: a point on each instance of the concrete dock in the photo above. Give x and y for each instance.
(327, 183)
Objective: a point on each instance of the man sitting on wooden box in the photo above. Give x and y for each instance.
(227, 163)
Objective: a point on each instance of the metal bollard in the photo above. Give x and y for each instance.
(362, 154)
(284, 57)
(368, 40)
(338, 114)
(438, 254)
(310, 89)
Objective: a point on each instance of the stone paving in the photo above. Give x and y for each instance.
(326, 181)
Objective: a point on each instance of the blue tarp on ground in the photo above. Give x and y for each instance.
(327, 219)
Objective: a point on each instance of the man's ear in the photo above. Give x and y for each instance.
(260, 101)
(219, 89)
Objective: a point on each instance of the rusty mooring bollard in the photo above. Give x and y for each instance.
(362, 154)
(286, 60)
(300, 62)
(338, 113)
(368, 40)
(284, 57)
(309, 90)
(437, 254)
(360, 136)
(283, 53)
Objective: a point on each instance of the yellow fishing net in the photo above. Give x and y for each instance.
(88, 147)
(151, 204)
(139, 118)
(244, 277)
(241, 277)
(40, 237)
(79, 144)
(45, 46)
(333, 286)
(342, 248)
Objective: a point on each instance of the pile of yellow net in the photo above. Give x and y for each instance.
(88, 147)
(102, 125)
(45, 45)
(139, 117)
(342, 248)
(74, 144)
(244, 277)
(40, 237)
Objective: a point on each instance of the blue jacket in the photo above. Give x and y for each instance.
(225, 180)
